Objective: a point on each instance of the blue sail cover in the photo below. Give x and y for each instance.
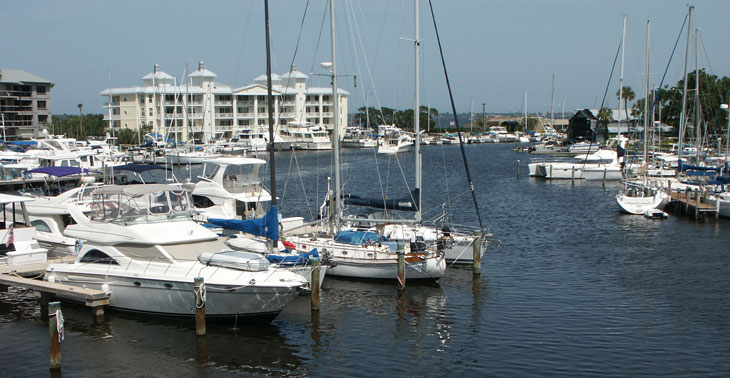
(685, 167)
(293, 259)
(58, 171)
(268, 226)
(405, 204)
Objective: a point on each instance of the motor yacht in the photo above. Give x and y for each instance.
(141, 245)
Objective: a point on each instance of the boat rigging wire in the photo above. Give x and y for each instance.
(456, 120)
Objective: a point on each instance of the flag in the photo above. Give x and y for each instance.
(11, 236)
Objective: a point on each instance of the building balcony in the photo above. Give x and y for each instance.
(223, 103)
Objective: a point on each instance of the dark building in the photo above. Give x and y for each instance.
(584, 125)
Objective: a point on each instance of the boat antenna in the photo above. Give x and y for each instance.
(456, 121)
(270, 103)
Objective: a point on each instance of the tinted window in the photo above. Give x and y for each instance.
(96, 256)
(40, 225)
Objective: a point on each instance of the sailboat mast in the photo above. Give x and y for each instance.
(697, 95)
(270, 103)
(646, 101)
(683, 115)
(336, 112)
(621, 78)
(552, 104)
(525, 110)
(416, 108)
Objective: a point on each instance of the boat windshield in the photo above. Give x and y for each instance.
(153, 206)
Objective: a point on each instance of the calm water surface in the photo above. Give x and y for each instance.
(575, 289)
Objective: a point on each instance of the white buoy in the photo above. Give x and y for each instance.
(105, 288)
(51, 278)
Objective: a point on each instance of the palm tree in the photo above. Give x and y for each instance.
(81, 120)
(627, 94)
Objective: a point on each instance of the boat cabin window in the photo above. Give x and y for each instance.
(12, 213)
(201, 202)
(209, 170)
(96, 256)
(147, 207)
(40, 225)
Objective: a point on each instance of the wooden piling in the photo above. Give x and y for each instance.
(55, 344)
(603, 182)
(199, 306)
(476, 254)
(572, 175)
(401, 266)
(314, 283)
(717, 207)
(551, 171)
(697, 204)
(518, 168)
(686, 203)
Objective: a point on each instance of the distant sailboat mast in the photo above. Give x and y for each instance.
(683, 115)
(621, 78)
(646, 102)
(698, 117)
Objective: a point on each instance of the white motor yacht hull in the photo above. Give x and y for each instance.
(608, 173)
(175, 296)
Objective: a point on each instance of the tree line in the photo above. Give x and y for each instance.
(83, 126)
(667, 102)
(372, 117)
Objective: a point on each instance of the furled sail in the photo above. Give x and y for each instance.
(408, 203)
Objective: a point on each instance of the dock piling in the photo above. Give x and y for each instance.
(518, 168)
(603, 182)
(698, 197)
(572, 175)
(401, 266)
(314, 283)
(199, 306)
(717, 207)
(476, 254)
(55, 323)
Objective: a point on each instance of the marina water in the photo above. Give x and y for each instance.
(569, 287)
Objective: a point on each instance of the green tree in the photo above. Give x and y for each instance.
(627, 94)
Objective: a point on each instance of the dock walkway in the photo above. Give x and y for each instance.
(692, 204)
(17, 276)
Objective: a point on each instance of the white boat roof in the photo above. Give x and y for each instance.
(10, 198)
(138, 190)
(236, 161)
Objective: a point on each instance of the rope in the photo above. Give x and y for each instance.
(59, 323)
(200, 296)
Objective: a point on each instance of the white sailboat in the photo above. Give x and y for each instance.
(643, 198)
(364, 254)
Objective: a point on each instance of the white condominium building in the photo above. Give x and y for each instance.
(203, 109)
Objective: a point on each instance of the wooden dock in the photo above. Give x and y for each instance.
(17, 276)
(693, 204)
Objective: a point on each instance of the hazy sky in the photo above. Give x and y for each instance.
(495, 50)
